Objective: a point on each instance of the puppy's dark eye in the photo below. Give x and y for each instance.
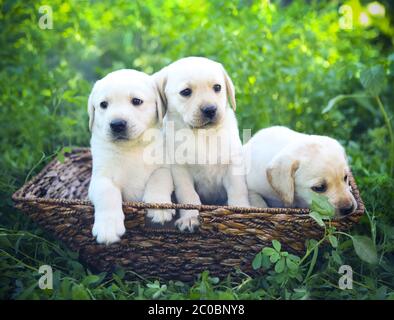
(136, 101)
(217, 87)
(345, 178)
(104, 104)
(320, 188)
(186, 92)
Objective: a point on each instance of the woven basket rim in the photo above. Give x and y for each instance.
(18, 196)
(226, 240)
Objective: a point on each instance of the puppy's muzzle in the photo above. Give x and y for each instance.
(118, 127)
(209, 112)
(346, 210)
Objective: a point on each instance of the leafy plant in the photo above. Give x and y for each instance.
(298, 271)
(374, 81)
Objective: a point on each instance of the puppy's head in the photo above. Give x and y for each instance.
(319, 166)
(123, 105)
(197, 89)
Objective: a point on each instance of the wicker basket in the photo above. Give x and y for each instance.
(227, 239)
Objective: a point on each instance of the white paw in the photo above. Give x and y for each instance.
(161, 215)
(188, 220)
(109, 229)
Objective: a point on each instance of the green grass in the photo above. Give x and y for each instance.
(287, 63)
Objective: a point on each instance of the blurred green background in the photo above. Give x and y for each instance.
(287, 59)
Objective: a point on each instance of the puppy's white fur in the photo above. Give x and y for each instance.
(216, 181)
(119, 169)
(285, 165)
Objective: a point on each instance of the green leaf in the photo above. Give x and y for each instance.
(257, 261)
(373, 80)
(321, 205)
(333, 240)
(274, 257)
(67, 149)
(276, 244)
(65, 288)
(154, 285)
(291, 264)
(294, 258)
(361, 99)
(91, 279)
(158, 293)
(267, 251)
(61, 155)
(301, 294)
(313, 261)
(280, 265)
(333, 102)
(265, 263)
(365, 249)
(336, 257)
(317, 217)
(381, 293)
(213, 280)
(78, 292)
(390, 296)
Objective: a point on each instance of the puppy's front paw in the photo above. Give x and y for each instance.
(161, 215)
(188, 220)
(109, 230)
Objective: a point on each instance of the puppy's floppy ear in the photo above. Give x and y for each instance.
(91, 111)
(280, 174)
(229, 89)
(160, 79)
(91, 106)
(161, 110)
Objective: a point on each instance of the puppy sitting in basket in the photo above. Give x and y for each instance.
(207, 160)
(122, 106)
(287, 167)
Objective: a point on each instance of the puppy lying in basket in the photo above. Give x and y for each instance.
(286, 167)
(122, 106)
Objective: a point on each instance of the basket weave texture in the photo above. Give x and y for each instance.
(228, 237)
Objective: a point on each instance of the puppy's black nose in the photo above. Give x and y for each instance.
(344, 211)
(118, 125)
(209, 111)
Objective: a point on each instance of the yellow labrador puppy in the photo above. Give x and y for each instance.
(287, 167)
(122, 106)
(202, 137)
